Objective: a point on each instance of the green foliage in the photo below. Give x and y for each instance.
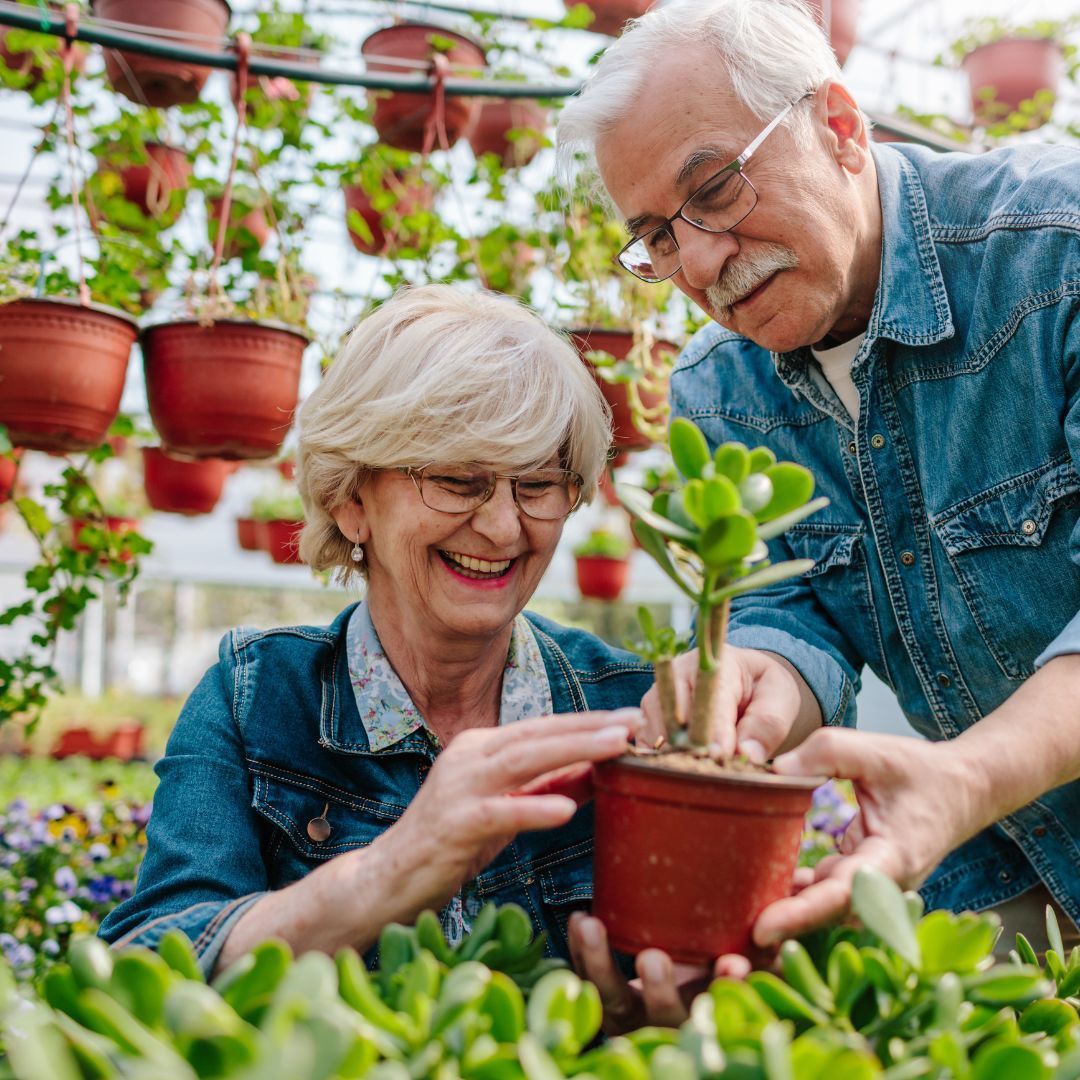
(660, 642)
(277, 505)
(601, 543)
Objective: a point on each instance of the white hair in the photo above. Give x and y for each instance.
(773, 51)
(438, 373)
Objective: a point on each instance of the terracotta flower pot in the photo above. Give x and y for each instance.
(611, 15)
(24, 61)
(62, 368)
(246, 535)
(401, 119)
(254, 222)
(685, 862)
(150, 184)
(282, 538)
(839, 19)
(600, 577)
(178, 486)
(9, 468)
(387, 229)
(154, 80)
(619, 343)
(118, 525)
(1004, 74)
(124, 742)
(224, 390)
(495, 117)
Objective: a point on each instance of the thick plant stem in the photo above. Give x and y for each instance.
(669, 701)
(712, 631)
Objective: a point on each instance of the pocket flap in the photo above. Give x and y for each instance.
(830, 546)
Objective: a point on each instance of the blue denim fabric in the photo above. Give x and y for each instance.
(948, 559)
(272, 734)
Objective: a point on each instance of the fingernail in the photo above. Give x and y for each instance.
(612, 733)
(590, 933)
(753, 750)
(786, 763)
(653, 966)
(631, 718)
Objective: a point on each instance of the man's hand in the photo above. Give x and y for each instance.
(764, 703)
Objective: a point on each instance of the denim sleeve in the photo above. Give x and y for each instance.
(203, 867)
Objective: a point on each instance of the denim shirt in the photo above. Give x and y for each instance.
(948, 558)
(272, 735)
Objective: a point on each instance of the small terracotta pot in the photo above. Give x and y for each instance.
(387, 230)
(119, 525)
(150, 184)
(495, 117)
(611, 15)
(62, 368)
(839, 19)
(24, 61)
(282, 538)
(686, 863)
(601, 578)
(246, 534)
(178, 486)
(154, 80)
(1015, 69)
(619, 343)
(8, 471)
(401, 119)
(224, 390)
(254, 221)
(124, 742)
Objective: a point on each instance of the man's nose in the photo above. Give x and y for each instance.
(703, 254)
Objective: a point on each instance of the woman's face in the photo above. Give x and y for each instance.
(447, 576)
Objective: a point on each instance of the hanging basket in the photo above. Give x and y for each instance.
(619, 343)
(281, 539)
(150, 184)
(227, 389)
(612, 15)
(600, 577)
(1014, 76)
(251, 221)
(62, 369)
(24, 60)
(180, 485)
(839, 19)
(498, 116)
(247, 535)
(154, 80)
(401, 119)
(388, 231)
(9, 468)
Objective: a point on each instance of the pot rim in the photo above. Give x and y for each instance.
(224, 3)
(416, 24)
(66, 301)
(798, 783)
(269, 324)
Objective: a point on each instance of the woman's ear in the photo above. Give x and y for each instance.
(352, 520)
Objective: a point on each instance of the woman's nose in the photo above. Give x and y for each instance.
(499, 519)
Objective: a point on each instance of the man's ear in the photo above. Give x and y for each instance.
(848, 139)
(352, 520)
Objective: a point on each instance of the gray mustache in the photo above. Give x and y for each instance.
(745, 273)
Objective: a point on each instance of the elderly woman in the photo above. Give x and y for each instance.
(324, 781)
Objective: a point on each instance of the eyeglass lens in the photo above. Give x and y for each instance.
(546, 494)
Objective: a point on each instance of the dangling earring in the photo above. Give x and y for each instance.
(357, 553)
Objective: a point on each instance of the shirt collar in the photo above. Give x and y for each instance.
(388, 714)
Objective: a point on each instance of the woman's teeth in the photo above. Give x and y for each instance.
(476, 567)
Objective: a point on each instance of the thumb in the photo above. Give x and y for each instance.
(847, 755)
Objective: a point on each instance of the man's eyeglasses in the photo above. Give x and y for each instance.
(717, 206)
(544, 494)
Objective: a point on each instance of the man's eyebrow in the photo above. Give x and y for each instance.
(704, 155)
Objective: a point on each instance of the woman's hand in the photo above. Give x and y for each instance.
(486, 787)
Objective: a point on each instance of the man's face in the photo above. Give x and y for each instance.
(796, 267)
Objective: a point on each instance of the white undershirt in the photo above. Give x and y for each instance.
(835, 365)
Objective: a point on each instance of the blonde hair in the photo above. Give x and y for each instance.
(438, 373)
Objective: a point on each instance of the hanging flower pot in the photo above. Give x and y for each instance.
(35, 56)
(282, 538)
(62, 368)
(119, 526)
(402, 119)
(247, 534)
(9, 468)
(839, 19)
(248, 228)
(496, 118)
(1014, 77)
(600, 577)
(150, 183)
(182, 486)
(686, 862)
(154, 80)
(227, 389)
(611, 15)
(385, 212)
(618, 344)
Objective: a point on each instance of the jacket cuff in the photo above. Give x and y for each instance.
(827, 680)
(1067, 642)
(207, 925)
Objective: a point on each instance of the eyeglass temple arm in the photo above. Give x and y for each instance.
(770, 128)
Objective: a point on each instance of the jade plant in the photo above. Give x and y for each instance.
(708, 534)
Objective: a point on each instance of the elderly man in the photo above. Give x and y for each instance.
(907, 324)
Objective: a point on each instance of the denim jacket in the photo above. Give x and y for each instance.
(948, 558)
(271, 735)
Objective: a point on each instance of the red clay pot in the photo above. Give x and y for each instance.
(400, 119)
(600, 577)
(119, 525)
(282, 538)
(495, 117)
(8, 470)
(246, 534)
(224, 390)
(839, 19)
(124, 742)
(254, 221)
(153, 80)
(1015, 69)
(619, 343)
(686, 863)
(24, 61)
(178, 486)
(387, 230)
(611, 15)
(62, 368)
(150, 185)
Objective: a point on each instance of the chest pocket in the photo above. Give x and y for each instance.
(289, 801)
(838, 575)
(1010, 549)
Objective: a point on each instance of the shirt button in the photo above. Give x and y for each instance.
(318, 829)
(851, 447)
(1028, 527)
(877, 441)
(944, 680)
(1039, 830)
(907, 558)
